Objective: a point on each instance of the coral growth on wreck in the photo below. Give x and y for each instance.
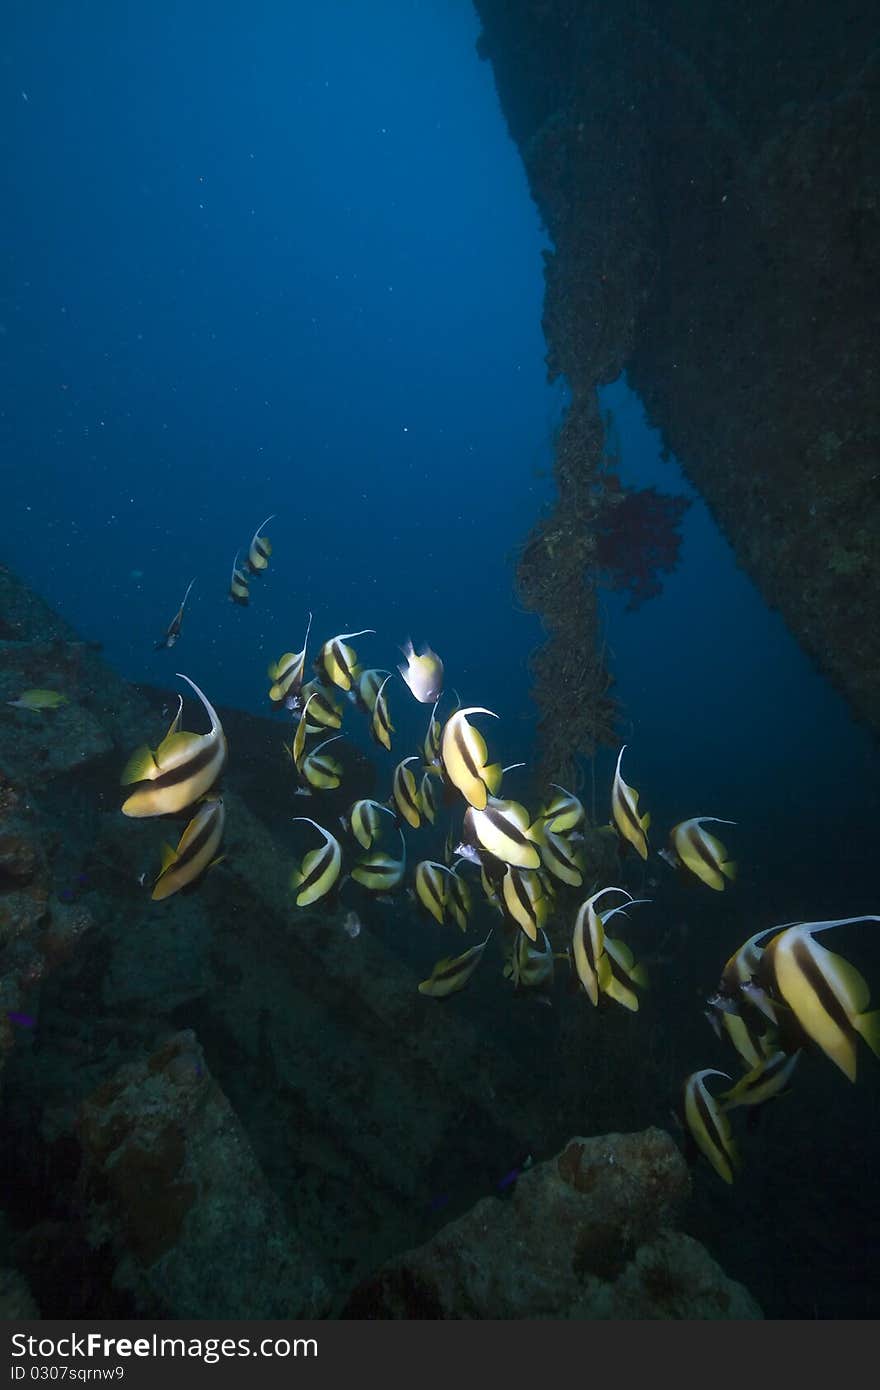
(638, 539)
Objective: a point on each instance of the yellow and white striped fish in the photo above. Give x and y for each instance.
(430, 887)
(287, 673)
(321, 770)
(625, 812)
(767, 1078)
(827, 995)
(181, 770)
(405, 793)
(239, 584)
(463, 754)
(317, 874)
(338, 661)
(381, 727)
(363, 820)
(525, 900)
(504, 829)
(452, 973)
(563, 812)
(378, 870)
(196, 850)
(324, 711)
(703, 854)
(259, 549)
(708, 1125)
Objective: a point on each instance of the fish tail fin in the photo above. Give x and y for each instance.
(645, 821)
(730, 869)
(537, 832)
(492, 777)
(869, 1027)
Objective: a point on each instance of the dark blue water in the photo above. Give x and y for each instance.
(289, 266)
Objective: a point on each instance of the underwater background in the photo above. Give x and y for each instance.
(289, 264)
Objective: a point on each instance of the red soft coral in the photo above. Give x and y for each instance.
(638, 539)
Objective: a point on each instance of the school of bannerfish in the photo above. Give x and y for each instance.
(779, 994)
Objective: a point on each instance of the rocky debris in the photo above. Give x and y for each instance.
(587, 1234)
(172, 1183)
(24, 897)
(36, 930)
(47, 743)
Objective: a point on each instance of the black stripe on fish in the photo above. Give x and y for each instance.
(392, 868)
(433, 888)
(709, 1122)
(292, 670)
(456, 967)
(557, 853)
(464, 752)
(696, 842)
(521, 892)
(175, 775)
(201, 839)
(507, 827)
(821, 988)
(321, 866)
(456, 891)
(628, 813)
(336, 649)
(326, 764)
(404, 792)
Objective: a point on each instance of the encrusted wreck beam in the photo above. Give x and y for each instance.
(712, 191)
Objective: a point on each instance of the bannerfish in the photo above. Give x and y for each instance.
(452, 973)
(463, 755)
(181, 770)
(379, 870)
(708, 1125)
(196, 851)
(363, 820)
(563, 812)
(503, 828)
(625, 812)
(827, 995)
(768, 1078)
(314, 877)
(259, 549)
(705, 856)
(405, 793)
(286, 675)
(239, 585)
(337, 662)
(381, 727)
